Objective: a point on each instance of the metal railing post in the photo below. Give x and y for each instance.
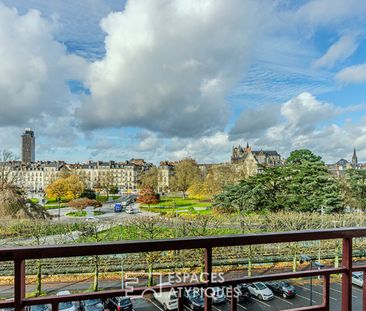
(234, 300)
(326, 285)
(55, 306)
(347, 276)
(208, 275)
(19, 283)
(180, 299)
(364, 292)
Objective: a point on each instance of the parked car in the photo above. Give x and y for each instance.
(260, 290)
(67, 305)
(193, 299)
(118, 304)
(168, 299)
(39, 308)
(244, 294)
(218, 295)
(284, 289)
(357, 278)
(92, 305)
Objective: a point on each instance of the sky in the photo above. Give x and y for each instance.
(169, 79)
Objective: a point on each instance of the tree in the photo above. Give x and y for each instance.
(81, 204)
(89, 193)
(302, 156)
(218, 177)
(13, 200)
(199, 190)
(149, 178)
(355, 188)
(148, 196)
(14, 204)
(303, 184)
(311, 187)
(57, 190)
(186, 173)
(74, 187)
(91, 232)
(106, 181)
(149, 228)
(8, 177)
(70, 188)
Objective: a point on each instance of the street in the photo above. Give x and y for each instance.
(278, 303)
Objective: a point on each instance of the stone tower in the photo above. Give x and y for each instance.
(354, 157)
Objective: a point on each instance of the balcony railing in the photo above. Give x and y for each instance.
(20, 255)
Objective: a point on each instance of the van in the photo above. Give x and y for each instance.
(168, 299)
(117, 207)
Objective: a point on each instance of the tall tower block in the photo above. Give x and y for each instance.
(28, 146)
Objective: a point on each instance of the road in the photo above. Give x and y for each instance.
(108, 213)
(278, 303)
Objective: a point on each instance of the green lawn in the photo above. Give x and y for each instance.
(83, 213)
(170, 205)
(181, 210)
(178, 202)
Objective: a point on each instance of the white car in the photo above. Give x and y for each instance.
(357, 278)
(218, 295)
(260, 290)
(131, 210)
(67, 305)
(168, 299)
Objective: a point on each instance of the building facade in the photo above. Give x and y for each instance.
(339, 168)
(165, 175)
(28, 146)
(35, 177)
(262, 157)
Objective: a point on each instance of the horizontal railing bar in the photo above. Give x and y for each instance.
(141, 290)
(358, 268)
(4, 305)
(57, 251)
(309, 308)
(283, 276)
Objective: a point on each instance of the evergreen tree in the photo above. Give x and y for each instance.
(303, 184)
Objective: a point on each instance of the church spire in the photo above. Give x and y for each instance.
(354, 157)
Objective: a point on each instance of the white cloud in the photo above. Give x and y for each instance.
(304, 111)
(338, 51)
(76, 23)
(352, 74)
(33, 70)
(322, 12)
(170, 64)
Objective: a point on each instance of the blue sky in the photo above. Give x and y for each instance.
(164, 80)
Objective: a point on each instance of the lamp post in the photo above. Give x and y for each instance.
(306, 258)
(59, 208)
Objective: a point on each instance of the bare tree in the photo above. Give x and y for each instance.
(8, 175)
(149, 228)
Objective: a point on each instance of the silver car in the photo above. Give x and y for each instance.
(357, 278)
